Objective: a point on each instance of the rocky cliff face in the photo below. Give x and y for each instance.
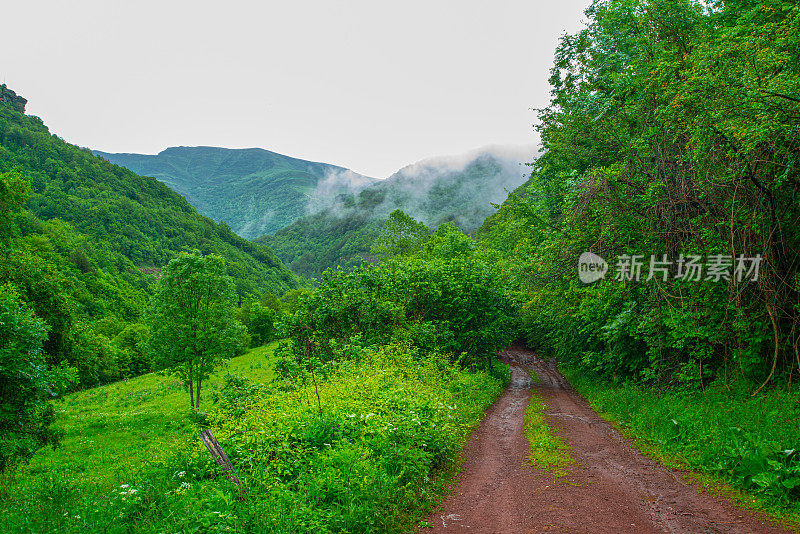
(7, 96)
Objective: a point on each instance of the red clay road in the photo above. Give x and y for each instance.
(611, 489)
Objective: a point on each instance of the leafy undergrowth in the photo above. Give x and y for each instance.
(752, 443)
(363, 456)
(359, 459)
(548, 450)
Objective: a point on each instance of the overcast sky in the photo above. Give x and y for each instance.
(369, 85)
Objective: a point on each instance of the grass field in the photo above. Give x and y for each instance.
(112, 430)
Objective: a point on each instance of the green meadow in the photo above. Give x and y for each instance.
(111, 431)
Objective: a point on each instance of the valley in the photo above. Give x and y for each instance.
(221, 340)
(316, 216)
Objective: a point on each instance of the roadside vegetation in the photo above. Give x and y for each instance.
(355, 426)
(362, 451)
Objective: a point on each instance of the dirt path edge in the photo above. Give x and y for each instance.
(612, 488)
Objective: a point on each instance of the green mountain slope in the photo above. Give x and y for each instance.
(85, 249)
(462, 190)
(254, 191)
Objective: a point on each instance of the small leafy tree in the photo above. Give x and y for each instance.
(26, 383)
(192, 323)
(401, 235)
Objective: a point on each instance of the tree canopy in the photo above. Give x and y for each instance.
(674, 129)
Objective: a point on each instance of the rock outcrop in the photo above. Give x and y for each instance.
(7, 96)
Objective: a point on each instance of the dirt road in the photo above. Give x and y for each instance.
(612, 488)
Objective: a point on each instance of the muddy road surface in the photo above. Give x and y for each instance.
(612, 488)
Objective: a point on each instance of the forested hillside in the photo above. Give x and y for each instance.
(83, 242)
(460, 190)
(254, 191)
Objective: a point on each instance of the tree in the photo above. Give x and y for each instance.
(26, 383)
(259, 321)
(191, 318)
(401, 235)
(13, 193)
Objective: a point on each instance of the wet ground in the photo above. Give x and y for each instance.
(612, 488)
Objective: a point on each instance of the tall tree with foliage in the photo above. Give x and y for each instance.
(26, 383)
(401, 235)
(192, 319)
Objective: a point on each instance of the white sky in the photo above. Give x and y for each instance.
(370, 85)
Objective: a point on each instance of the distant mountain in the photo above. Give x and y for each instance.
(458, 189)
(254, 191)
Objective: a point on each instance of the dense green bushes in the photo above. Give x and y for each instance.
(361, 459)
(442, 297)
(673, 129)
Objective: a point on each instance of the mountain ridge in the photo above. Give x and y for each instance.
(254, 190)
